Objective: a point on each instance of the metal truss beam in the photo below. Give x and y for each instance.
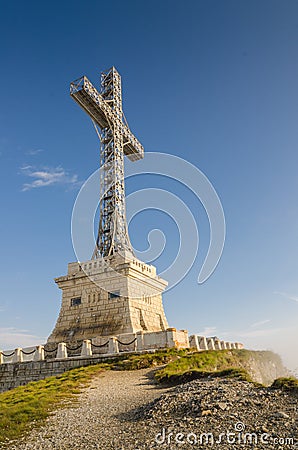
(105, 109)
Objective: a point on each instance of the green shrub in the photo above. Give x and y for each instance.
(286, 384)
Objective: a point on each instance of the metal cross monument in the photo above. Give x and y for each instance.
(116, 140)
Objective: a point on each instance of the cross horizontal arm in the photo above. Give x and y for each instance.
(87, 96)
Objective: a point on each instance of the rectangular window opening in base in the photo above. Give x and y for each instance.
(76, 301)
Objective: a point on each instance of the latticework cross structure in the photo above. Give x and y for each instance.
(105, 109)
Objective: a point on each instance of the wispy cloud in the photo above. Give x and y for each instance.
(34, 151)
(207, 331)
(288, 296)
(48, 176)
(261, 332)
(251, 332)
(11, 337)
(254, 332)
(260, 323)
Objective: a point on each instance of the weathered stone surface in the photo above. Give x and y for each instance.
(18, 374)
(109, 298)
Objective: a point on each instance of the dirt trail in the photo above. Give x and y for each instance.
(99, 419)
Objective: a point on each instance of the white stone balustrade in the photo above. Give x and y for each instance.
(131, 342)
(201, 343)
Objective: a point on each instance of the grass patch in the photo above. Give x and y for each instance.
(25, 405)
(144, 361)
(195, 374)
(224, 363)
(289, 384)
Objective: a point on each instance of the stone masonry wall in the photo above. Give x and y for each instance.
(104, 300)
(18, 374)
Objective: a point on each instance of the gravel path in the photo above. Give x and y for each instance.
(99, 421)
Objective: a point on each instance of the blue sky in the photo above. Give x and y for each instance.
(213, 82)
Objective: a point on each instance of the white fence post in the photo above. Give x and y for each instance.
(86, 348)
(39, 353)
(194, 342)
(62, 351)
(18, 355)
(210, 343)
(113, 345)
(140, 340)
(217, 344)
(203, 342)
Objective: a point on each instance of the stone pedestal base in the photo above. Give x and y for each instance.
(109, 297)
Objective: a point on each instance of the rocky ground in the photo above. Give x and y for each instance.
(223, 414)
(127, 411)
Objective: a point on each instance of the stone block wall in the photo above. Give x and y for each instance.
(18, 374)
(104, 298)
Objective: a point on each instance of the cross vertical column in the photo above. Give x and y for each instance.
(112, 233)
